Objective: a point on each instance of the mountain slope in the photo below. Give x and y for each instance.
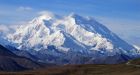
(11, 62)
(70, 36)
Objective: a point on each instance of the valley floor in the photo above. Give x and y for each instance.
(117, 69)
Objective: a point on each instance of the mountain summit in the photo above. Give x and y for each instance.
(71, 39)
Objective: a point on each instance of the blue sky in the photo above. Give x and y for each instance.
(120, 16)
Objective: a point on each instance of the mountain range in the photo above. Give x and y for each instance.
(71, 39)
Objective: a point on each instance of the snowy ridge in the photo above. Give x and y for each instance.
(137, 47)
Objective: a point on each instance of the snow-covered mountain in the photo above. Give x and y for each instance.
(71, 39)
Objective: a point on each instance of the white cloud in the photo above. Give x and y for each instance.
(4, 29)
(41, 13)
(46, 15)
(24, 8)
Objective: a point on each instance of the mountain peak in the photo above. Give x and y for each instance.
(77, 16)
(43, 16)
